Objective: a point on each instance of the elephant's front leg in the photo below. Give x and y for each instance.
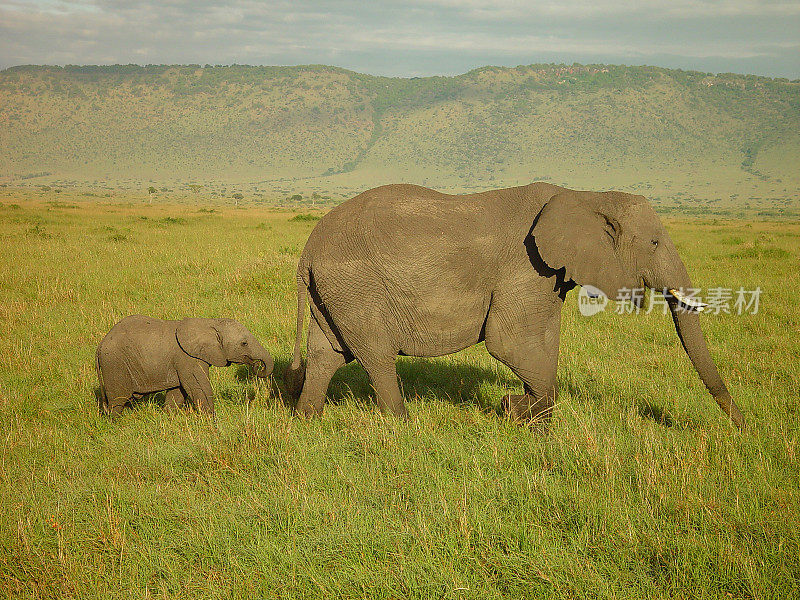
(528, 344)
(174, 400)
(194, 380)
(532, 406)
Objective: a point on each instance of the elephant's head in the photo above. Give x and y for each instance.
(613, 240)
(220, 342)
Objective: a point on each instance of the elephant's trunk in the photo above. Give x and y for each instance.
(259, 359)
(686, 316)
(687, 324)
(263, 365)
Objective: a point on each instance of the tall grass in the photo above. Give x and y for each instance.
(640, 490)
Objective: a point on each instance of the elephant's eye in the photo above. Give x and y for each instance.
(244, 343)
(655, 243)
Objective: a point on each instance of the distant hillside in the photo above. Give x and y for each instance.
(657, 130)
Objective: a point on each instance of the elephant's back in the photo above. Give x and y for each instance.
(134, 351)
(419, 228)
(417, 210)
(131, 327)
(391, 219)
(381, 205)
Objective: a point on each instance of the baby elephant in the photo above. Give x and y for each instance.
(141, 355)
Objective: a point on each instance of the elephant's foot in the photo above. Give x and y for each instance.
(306, 409)
(525, 408)
(113, 412)
(174, 400)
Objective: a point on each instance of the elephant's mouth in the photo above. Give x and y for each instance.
(689, 303)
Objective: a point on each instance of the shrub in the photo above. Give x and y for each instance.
(38, 231)
(305, 217)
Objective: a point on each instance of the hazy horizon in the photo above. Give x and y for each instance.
(374, 74)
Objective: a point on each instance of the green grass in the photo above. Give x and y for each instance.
(640, 490)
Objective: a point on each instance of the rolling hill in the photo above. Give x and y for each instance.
(674, 135)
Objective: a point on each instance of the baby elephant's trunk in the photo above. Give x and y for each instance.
(263, 365)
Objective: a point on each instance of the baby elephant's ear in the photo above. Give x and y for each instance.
(199, 338)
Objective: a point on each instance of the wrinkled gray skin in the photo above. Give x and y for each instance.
(403, 269)
(141, 355)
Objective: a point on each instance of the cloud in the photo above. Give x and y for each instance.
(588, 8)
(409, 37)
(511, 45)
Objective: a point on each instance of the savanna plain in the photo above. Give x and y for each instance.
(641, 488)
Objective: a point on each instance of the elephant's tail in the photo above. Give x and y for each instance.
(102, 400)
(295, 372)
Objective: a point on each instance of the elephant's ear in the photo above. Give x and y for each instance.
(576, 232)
(199, 338)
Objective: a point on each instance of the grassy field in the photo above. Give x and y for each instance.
(640, 490)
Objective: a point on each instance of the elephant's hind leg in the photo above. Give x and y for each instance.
(383, 375)
(116, 400)
(322, 361)
(380, 365)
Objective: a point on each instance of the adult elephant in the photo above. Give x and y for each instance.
(403, 269)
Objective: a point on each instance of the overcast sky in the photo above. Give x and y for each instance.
(409, 37)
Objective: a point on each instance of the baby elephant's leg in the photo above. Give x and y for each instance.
(194, 379)
(174, 400)
(117, 400)
(115, 410)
